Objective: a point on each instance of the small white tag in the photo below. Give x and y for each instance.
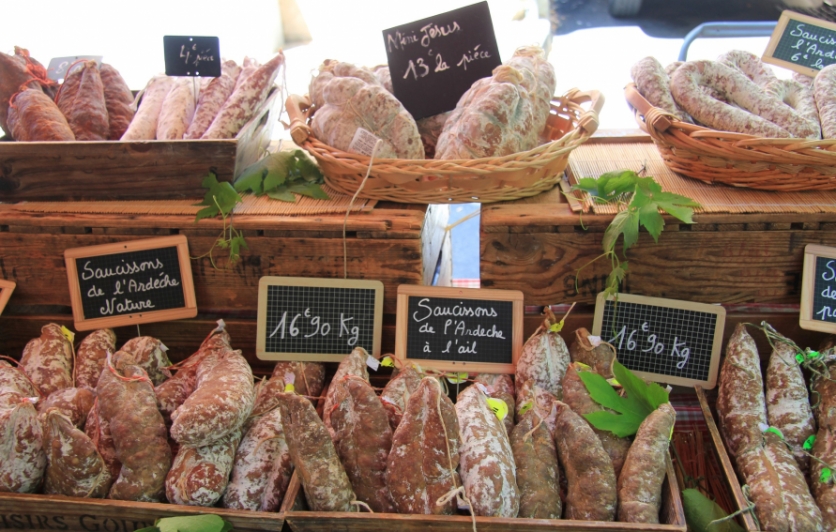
(363, 142)
(372, 362)
(594, 340)
(290, 378)
(482, 388)
(163, 347)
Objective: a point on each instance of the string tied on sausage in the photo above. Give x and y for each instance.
(351, 204)
(17, 365)
(361, 504)
(140, 378)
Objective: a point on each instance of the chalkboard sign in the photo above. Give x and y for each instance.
(192, 56)
(317, 319)
(58, 66)
(818, 289)
(663, 340)
(802, 43)
(6, 289)
(125, 283)
(435, 60)
(459, 329)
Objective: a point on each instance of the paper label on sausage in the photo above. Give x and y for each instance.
(363, 142)
(372, 362)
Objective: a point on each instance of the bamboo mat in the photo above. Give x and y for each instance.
(252, 205)
(592, 160)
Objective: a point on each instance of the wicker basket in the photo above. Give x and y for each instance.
(456, 181)
(733, 158)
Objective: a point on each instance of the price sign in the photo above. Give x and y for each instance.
(6, 289)
(435, 60)
(460, 329)
(59, 66)
(663, 340)
(192, 56)
(802, 43)
(125, 283)
(317, 319)
(818, 289)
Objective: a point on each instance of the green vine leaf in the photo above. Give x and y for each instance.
(220, 199)
(701, 512)
(190, 523)
(281, 175)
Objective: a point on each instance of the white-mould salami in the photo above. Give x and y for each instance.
(48, 360)
(353, 364)
(212, 98)
(750, 65)
(199, 475)
(21, 448)
(544, 359)
(824, 91)
(144, 124)
(177, 110)
(653, 82)
(91, 356)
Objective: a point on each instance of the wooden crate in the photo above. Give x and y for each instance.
(730, 258)
(725, 461)
(116, 170)
(672, 518)
(73, 514)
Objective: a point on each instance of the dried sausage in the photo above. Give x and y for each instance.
(308, 377)
(177, 110)
(148, 353)
(544, 359)
(353, 364)
(212, 99)
(538, 474)
(74, 466)
(21, 446)
(33, 116)
(74, 403)
(82, 101)
(118, 99)
(91, 357)
(199, 475)
(144, 124)
(396, 393)
(48, 360)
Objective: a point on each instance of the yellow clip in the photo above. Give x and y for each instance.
(387, 362)
(499, 407)
(557, 327)
(525, 407)
(289, 388)
(68, 334)
(457, 378)
(585, 367)
(671, 436)
(614, 382)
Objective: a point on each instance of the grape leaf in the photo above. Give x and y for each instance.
(629, 411)
(192, 523)
(312, 190)
(651, 220)
(220, 198)
(282, 194)
(281, 175)
(700, 511)
(615, 229)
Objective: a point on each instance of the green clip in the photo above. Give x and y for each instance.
(557, 327)
(799, 358)
(525, 407)
(808, 443)
(813, 354)
(775, 431)
(826, 475)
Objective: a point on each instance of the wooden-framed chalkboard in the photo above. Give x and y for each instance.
(192, 56)
(802, 43)
(126, 283)
(317, 320)
(818, 289)
(459, 329)
(663, 340)
(433, 61)
(6, 289)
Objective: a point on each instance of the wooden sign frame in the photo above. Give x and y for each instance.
(261, 328)
(71, 256)
(716, 346)
(6, 289)
(808, 285)
(402, 326)
(783, 21)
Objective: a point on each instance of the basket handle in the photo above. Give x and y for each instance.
(298, 108)
(588, 121)
(638, 102)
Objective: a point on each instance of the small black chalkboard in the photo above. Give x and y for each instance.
(125, 283)
(663, 340)
(435, 60)
(459, 329)
(192, 56)
(58, 67)
(818, 289)
(802, 43)
(317, 319)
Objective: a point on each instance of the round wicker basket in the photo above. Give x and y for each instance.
(733, 158)
(483, 180)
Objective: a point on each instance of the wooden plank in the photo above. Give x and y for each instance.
(710, 267)
(35, 262)
(723, 457)
(54, 512)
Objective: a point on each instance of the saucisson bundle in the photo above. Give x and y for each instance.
(33, 116)
(144, 124)
(353, 364)
(314, 457)
(592, 491)
(425, 453)
(741, 405)
(262, 467)
(73, 403)
(219, 405)
(243, 103)
(363, 439)
(788, 403)
(21, 448)
(126, 400)
(119, 101)
(91, 357)
(74, 466)
(199, 475)
(48, 360)
(396, 393)
(538, 473)
(82, 101)
(487, 461)
(544, 359)
(577, 397)
(640, 481)
(212, 98)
